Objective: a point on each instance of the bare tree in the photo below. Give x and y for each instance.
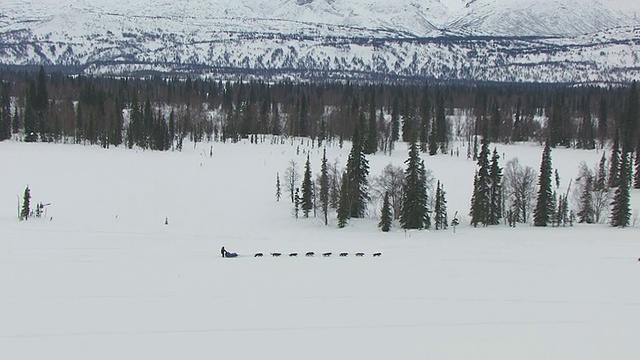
(389, 182)
(520, 189)
(602, 193)
(291, 177)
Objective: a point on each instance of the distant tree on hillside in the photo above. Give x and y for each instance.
(631, 117)
(5, 112)
(30, 115)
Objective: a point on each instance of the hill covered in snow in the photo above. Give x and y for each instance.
(450, 40)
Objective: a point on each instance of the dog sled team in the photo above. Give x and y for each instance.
(227, 254)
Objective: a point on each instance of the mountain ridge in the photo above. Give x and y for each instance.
(434, 40)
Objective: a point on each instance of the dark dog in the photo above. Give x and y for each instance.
(327, 254)
(360, 254)
(310, 253)
(344, 254)
(293, 254)
(377, 254)
(258, 255)
(275, 254)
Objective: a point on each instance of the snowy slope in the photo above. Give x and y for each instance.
(483, 40)
(106, 279)
(545, 17)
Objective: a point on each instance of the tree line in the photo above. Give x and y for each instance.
(160, 113)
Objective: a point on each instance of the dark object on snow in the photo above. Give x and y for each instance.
(275, 254)
(377, 254)
(258, 255)
(344, 254)
(360, 254)
(327, 254)
(226, 254)
(293, 254)
(310, 253)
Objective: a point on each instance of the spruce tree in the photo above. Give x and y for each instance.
(481, 204)
(30, 115)
(433, 140)
(5, 112)
(440, 208)
(386, 217)
(344, 210)
(26, 204)
(636, 177)
(371, 140)
(586, 212)
(306, 202)
(601, 177)
(41, 104)
(414, 213)
(495, 174)
(357, 173)
(474, 195)
(296, 202)
(324, 188)
(278, 187)
(395, 120)
(614, 167)
(545, 206)
(441, 124)
(631, 118)
(621, 212)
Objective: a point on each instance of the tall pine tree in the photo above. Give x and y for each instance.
(414, 212)
(324, 187)
(545, 204)
(621, 213)
(495, 174)
(586, 212)
(278, 187)
(357, 173)
(614, 168)
(481, 198)
(344, 211)
(385, 217)
(306, 202)
(440, 208)
(25, 212)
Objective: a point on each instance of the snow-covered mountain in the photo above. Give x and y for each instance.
(486, 40)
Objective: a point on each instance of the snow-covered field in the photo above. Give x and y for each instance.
(103, 277)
